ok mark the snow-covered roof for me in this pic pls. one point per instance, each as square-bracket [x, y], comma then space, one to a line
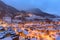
[58, 38]
[1, 27]
[7, 38]
[33, 39]
[18, 30]
[2, 34]
[25, 32]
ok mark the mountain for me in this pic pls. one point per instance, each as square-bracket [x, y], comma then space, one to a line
[39, 12]
[7, 10]
[36, 15]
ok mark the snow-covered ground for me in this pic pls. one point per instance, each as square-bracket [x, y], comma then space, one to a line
[7, 38]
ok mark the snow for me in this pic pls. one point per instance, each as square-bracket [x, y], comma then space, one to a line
[8, 38]
[7, 19]
[58, 38]
[25, 32]
[33, 38]
[2, 34]
[21, 38]
[1, 27]
[16, 20]
[19, 30]
[15, 37]
[33, 17]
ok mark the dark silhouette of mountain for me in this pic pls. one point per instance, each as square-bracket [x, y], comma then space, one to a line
[38, 12]
[6, 10]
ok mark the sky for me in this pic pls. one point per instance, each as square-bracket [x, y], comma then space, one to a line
[49, 6]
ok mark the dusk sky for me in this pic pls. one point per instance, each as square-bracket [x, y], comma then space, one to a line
[50, 6]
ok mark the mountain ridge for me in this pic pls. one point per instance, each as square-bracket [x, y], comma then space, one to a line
[6, 10]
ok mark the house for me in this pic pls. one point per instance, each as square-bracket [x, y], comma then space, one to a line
[7, 19]
[7, 34]
[16, 21]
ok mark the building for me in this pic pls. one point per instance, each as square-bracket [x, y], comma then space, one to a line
[7, 34]
[7, 19]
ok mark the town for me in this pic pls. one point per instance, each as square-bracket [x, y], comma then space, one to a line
[30, 30]
[29, 20]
